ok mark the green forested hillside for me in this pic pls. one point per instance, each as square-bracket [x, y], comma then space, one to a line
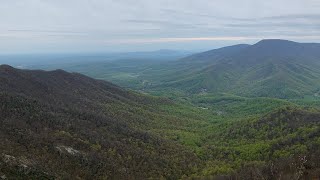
[61, 125]
[270, 68]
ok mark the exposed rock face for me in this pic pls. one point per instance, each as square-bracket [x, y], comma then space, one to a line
[70, 150]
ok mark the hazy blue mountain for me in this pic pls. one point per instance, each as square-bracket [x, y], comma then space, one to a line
[54, 61]
[215, 54]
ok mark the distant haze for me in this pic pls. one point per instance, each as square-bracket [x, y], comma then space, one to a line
[42, 26]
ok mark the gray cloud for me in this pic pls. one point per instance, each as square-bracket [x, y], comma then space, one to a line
[259, 25]
[172, 11]
[315, 17]
[166, 24]
[44, 31]
[128, 25]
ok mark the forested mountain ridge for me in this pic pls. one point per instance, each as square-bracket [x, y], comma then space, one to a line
[62, 125]
[269, 68]
[264, 50]
[58, 85]
[215, 54]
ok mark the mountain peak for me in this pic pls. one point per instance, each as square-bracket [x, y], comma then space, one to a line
[274, 48]
[275, 42]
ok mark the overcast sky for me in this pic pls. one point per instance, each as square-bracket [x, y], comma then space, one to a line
[143, 25]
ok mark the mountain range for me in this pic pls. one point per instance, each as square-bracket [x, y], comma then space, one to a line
[238, 112]
[269, 68]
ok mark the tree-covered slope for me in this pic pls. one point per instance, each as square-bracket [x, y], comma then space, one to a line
[266, 147]
[287, 140]
[61, 125]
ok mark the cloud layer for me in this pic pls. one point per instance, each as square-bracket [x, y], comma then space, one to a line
[129, 25]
